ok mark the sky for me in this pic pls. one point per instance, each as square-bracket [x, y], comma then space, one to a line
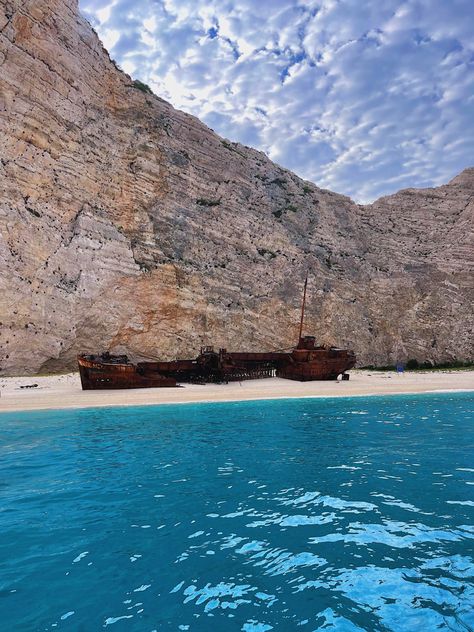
[363, 97]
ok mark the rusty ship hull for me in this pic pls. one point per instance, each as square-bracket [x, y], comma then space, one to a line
[305, 362]
[310, 363]
[105, 372]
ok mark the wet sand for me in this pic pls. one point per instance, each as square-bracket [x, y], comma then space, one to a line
[64, 391]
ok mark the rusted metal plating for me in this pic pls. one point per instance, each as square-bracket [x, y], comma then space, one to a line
[304, 362]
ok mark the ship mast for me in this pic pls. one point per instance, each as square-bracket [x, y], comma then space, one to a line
[303, 306]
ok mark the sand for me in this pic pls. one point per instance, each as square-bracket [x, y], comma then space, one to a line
[64, 391]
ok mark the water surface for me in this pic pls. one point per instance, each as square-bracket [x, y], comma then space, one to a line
[333, 514]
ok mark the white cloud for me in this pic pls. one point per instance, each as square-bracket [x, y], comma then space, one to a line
[362, 98]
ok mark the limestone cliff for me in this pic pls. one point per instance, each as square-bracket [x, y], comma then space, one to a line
[128, 225]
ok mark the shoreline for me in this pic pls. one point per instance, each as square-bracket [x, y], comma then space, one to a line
[64, 391]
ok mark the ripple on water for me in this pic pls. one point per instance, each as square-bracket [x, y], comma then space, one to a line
[312, 514]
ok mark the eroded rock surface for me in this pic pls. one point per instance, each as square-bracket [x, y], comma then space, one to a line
[128, 225]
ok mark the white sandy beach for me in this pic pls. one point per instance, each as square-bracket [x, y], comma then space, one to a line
[64, 391]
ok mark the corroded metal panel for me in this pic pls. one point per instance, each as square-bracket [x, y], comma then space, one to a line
[305, 362]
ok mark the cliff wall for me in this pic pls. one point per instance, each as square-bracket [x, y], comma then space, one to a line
[128, 225]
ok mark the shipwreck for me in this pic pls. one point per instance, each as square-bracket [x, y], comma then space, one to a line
[304, 362]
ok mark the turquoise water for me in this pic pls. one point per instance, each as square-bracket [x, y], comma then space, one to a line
[325, 514]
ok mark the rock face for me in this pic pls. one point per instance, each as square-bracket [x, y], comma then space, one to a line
[128, 225]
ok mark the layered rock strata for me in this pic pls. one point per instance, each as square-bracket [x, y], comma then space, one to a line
[130, 226]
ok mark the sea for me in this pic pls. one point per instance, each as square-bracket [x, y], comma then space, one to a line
[326, 514]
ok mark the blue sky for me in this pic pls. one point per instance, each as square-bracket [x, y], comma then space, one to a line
[363, 97]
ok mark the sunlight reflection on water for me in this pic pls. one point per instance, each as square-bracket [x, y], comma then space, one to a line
[245, 516]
